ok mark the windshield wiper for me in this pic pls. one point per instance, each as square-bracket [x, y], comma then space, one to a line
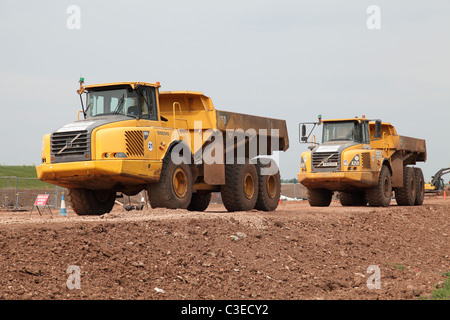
[88, 107]
[119, 106]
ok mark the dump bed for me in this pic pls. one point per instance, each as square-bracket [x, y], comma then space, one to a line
[183, 108]
[235, 121]
[414, 146]
[408, 150]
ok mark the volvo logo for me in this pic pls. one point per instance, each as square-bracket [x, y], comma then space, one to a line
[69, 143]
[325, 163]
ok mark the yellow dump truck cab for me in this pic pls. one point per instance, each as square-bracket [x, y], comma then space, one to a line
[364, 161]
[132, 137]
[119, 138]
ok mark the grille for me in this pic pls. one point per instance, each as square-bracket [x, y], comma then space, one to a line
[324, 160]
[134, 143]
[72, 143]
[365, 158]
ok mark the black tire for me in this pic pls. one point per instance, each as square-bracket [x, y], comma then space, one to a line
[199, 201]
[406, 195]
[319, 197]
[357, 198]
[174, 188]
[91, 202]
[420, 186]
[381, 195]
[269, 187]
[240, 191]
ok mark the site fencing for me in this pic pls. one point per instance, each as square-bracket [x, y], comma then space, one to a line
[294, 191]
[20, 193]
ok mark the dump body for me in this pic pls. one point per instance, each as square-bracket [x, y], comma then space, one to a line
[122, 145]
[192, 111]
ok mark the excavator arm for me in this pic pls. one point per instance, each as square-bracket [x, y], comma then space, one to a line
[436, 180]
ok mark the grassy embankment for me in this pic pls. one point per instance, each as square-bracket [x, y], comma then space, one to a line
[26, 178]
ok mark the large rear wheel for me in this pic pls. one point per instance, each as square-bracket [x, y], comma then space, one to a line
[420, 186]
[199, 201]
[240, 191]
[406, 195]
[269, 186]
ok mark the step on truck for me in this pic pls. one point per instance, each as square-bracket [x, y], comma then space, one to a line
[175, 145]
[364, 160]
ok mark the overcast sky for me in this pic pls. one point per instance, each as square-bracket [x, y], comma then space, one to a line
[283, 59]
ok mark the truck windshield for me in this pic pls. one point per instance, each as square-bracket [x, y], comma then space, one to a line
[122, 101]
[343, 130]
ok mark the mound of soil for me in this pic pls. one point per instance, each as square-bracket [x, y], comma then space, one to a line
[295, 252]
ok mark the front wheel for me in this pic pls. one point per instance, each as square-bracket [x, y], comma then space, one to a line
[381, 195]
[319, 197]
[356, 198]
[91, 202]
[174, 188]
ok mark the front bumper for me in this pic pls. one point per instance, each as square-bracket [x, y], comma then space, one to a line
[339, 181]
[100, 174]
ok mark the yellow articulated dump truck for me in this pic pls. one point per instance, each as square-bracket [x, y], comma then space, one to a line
[176, 145]
[364, 160]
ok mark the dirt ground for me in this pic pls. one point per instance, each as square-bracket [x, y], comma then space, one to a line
[295, 252]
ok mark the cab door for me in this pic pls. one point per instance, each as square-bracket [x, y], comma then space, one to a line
[148, 121]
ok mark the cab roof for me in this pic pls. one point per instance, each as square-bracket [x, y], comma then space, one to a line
[113, 84]
[371, 121]
[347, 119]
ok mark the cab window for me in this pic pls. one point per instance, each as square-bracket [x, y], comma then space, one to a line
[148, 104]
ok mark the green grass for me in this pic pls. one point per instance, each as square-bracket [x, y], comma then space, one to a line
[26, 178]
[398, 266]
[443, 293]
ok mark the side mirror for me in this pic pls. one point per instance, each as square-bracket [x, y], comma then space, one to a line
[304, 128]
[377, 133]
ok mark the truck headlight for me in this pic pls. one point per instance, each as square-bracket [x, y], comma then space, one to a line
[120, 155]
[355, 161]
